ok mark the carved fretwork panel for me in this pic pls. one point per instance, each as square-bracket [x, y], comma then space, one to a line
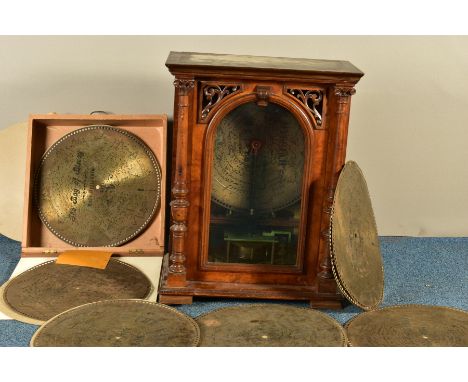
[313, 100]
[211, 95]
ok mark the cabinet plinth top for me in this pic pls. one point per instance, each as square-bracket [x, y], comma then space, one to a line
[202, 62]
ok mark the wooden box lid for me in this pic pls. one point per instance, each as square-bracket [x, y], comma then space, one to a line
[43, 131]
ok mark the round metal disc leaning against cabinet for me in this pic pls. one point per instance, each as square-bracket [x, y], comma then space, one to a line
[269, 325]
[355, 251]
[409, 325]
[98, 186]
[119, 323]
[41, 292]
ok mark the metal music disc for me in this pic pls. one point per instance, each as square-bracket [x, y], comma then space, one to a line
[409, 325]
[258, 159]
[48, 289]
[98, 186]
[119, 323]
[269, 325]
[355, 251]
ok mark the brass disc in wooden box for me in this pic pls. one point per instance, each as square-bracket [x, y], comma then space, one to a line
[98, 186]
[119, 323]
[48, 289]
[269, 325]
[355, 251]
[409, 325]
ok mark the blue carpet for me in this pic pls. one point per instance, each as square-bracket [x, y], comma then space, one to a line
[10, 251]
[417, 271]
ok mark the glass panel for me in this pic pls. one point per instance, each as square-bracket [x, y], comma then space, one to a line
[256, 184]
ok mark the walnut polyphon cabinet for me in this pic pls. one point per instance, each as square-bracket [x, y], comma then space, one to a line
[257, 149]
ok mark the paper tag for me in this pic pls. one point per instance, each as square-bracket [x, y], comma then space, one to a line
[91, 259]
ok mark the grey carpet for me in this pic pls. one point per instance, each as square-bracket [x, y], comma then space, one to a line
[417, 271]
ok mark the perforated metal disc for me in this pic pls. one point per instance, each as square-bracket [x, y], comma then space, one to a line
[48, 289]
[97, 186]
[119, 323]
[269, 325]
[258, 159]
[409, 325]
[355, 250]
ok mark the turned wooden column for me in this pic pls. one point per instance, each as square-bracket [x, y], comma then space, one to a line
[179, 205]
[337, 156]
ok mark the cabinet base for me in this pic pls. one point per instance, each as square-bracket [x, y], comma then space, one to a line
[185, 294]
[175, 300]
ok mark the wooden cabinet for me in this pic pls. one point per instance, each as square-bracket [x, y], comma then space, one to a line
[257, 149]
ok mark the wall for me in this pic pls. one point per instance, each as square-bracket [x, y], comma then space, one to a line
[409, 120]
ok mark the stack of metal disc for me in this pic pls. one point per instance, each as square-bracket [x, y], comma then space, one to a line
[41, 292]
[119, 323]
[269, 325]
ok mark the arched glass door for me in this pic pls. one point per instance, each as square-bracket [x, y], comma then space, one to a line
[256, 186]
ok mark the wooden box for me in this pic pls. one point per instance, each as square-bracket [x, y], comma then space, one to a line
[44, 130]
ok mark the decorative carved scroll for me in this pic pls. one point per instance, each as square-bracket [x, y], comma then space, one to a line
[213, 94]
[312, 99]
[343, 94]
[184, 86]
[263, 94]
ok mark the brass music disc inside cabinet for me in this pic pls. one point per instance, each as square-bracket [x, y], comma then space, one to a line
[257, 149]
